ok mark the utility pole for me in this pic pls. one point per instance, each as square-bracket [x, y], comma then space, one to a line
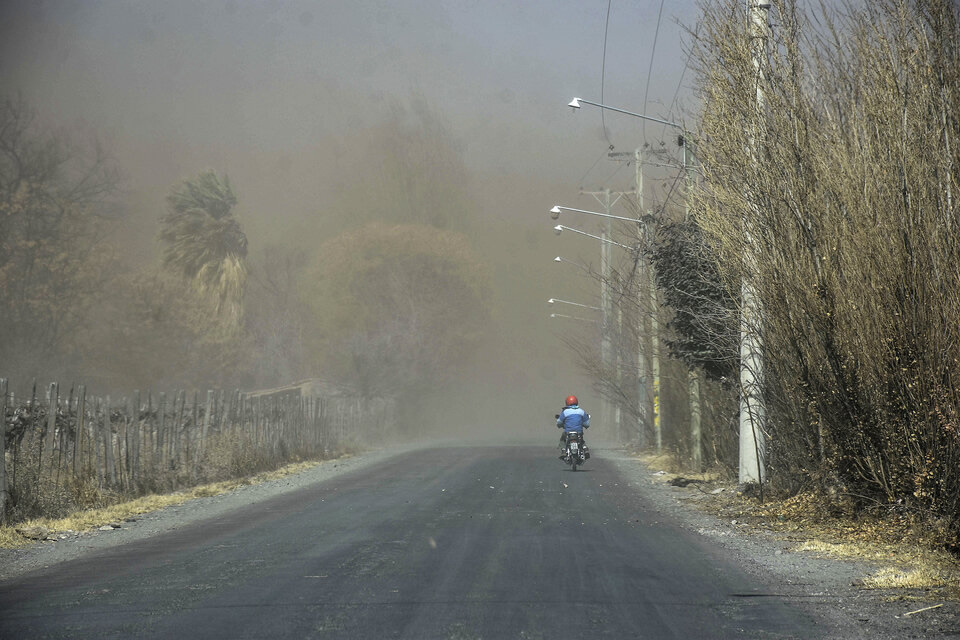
[646, 290]
[643, 408]
[752, 409]
[606, 198]
[605, 305]
[693, 376]
[655, 359]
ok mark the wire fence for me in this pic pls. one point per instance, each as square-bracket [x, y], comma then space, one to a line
[66, 448]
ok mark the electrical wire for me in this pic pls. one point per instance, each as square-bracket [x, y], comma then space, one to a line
[610, 178]
[595, 162]
[603, 72]
[676, 94]
[653, 51]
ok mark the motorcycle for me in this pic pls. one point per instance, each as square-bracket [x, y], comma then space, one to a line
[575, 452]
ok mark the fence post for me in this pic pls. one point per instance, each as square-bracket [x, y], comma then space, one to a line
[97, 439]
[108, 443]
[222, 404]
[257, 412]
[207, 415]
[50, 437]
[235, 419]
[150, 437]
[81, 424]
[63, 438]
[192, 437]
[135, 423]
[161, 426]
[177, 426]
[3, 450]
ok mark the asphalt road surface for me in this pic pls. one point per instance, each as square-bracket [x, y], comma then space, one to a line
[458, 543]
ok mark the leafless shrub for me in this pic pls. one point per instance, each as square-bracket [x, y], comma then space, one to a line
[836, 202]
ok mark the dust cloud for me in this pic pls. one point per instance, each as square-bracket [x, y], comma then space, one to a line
[330, 116]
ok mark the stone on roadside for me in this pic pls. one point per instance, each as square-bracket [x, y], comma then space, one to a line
[106, 527]
[37, 532]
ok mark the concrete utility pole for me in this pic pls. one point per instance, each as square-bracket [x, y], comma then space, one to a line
[655, 358]
[643, 402]
[605, 305]
[693, 376]
[606, 198]
[752, 409]
[648, 403]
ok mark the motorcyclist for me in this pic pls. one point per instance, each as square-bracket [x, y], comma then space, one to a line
[572, 419]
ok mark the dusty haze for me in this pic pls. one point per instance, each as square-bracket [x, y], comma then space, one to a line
[290, 99]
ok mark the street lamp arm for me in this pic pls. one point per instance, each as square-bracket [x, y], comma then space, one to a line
[574, 263]
[576, 304]
[561, 227]
[555, 213]
[560, 315]
[575, 103]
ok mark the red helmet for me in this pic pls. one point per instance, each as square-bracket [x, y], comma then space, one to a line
[572, 400]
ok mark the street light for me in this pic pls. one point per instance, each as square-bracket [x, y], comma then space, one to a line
[604, 283]
[575, 103]
[557, 209]
[752, 407]
[576, 264]
[687, 169]
[560, 315]
[576, 304]
[681, 140]
[559, 229]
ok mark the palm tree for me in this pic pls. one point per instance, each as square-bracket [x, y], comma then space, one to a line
[204, 242]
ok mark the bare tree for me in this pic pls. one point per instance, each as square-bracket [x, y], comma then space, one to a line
[396, 308]
[56, 202]
[849, 208]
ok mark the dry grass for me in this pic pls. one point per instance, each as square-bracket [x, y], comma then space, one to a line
[672, 468]
[901, 565]
[90, 519]
[908, 554]
[895, 578]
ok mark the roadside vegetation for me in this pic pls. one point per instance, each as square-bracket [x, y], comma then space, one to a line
[835, 200]
[84, 520]
[378, 309]
[907, 554]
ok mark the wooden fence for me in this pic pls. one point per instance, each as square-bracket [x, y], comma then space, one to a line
[68, 440]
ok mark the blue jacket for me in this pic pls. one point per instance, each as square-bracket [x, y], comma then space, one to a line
[574, 419]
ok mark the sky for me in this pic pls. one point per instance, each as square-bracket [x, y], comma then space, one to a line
[169, 84]
[272, 93]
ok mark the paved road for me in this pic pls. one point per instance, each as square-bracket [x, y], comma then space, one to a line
[458, 543]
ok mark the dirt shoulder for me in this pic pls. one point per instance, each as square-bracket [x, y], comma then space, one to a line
[67, 545]
[800, 566]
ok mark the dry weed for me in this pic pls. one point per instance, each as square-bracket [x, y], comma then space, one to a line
[90, 519]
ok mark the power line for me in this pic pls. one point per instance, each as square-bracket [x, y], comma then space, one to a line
[610, 178]
[602, 154]
[676, 94]
[603, 72]
[653, 51]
